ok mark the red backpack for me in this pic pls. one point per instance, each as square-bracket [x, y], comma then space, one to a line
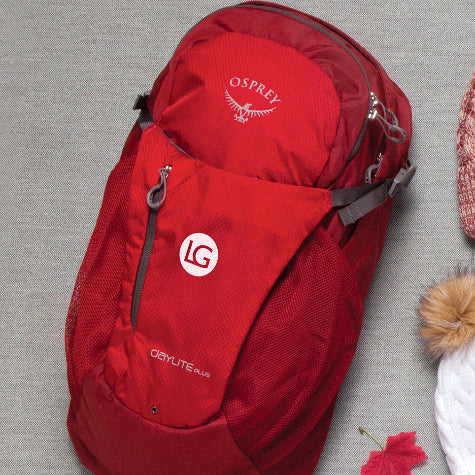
[219, 303]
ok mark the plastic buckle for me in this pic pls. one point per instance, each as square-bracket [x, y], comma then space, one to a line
[141, 102]
[370, 173]
[402, 179]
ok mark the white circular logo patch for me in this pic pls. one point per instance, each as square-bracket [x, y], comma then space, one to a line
[198, 254]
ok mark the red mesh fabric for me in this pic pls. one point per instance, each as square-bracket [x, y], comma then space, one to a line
[93, 307]
[366, 244]
[281, 395]
[131, 445]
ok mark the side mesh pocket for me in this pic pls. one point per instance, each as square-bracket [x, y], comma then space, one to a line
[282, 393]
[93, 308]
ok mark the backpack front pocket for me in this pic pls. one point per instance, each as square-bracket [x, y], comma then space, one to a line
[199, 267]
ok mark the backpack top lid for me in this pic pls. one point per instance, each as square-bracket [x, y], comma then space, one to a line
[253, 107]
[265, 95]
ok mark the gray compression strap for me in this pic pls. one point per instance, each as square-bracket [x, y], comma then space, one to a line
[346, 196]
[145, 116]
[364, 205]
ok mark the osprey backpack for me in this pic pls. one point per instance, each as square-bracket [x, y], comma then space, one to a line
[219, 303]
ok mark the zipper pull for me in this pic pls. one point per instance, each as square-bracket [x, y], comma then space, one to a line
[157, 194]
[373, 112]
[387, 120]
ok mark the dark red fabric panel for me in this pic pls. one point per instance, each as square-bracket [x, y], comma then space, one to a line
[111, 439]
[366, 244]
[284, 385]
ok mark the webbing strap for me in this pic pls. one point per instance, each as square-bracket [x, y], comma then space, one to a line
[365, 202]
[346, 196]
[145, 116]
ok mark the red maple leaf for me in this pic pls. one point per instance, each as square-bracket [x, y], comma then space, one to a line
[399, 456]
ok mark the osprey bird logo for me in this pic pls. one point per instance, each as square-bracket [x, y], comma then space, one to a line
[245, 113]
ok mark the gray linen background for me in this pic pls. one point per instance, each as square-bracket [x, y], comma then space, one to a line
[69, 73]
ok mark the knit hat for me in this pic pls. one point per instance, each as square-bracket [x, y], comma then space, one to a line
[448, 314]
[466, 160]
[455, 409]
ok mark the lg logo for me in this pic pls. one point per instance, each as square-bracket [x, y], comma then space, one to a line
[198, 254]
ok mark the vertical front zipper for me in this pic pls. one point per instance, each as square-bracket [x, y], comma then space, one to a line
[155, 198]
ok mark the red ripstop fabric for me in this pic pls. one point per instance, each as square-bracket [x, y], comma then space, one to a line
[219, 303]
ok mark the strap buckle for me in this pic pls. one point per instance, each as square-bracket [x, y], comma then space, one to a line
[141, 102]
[402, 179]
[145, 116]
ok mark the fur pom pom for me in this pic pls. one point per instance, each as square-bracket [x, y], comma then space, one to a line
[448, 313]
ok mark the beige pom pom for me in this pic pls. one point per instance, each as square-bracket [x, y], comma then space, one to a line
[448, 314]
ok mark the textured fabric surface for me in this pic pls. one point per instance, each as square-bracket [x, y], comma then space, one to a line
[69, 73]
[204, 320]
[455, 409]
[466, 160]
[282, 417]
